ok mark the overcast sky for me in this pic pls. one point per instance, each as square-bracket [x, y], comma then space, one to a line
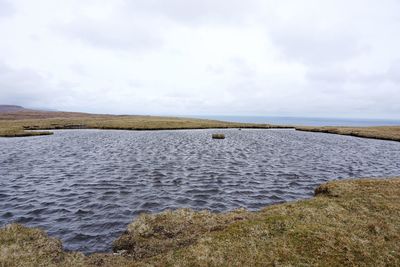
[335, 58]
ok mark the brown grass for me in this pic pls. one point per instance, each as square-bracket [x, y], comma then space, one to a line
[379, 132]
[348, 223]
[155, 234]
[21, 246]
[218, 136]
[19, 123]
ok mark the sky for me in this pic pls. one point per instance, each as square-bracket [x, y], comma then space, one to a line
[331, 58]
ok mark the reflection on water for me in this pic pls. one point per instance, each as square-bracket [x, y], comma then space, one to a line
[85, 186]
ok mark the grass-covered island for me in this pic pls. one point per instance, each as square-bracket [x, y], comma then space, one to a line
[347, 223]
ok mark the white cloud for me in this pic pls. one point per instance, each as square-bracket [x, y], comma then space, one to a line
[195, 12]
[287, 57]
[6, 8]
[24, 86]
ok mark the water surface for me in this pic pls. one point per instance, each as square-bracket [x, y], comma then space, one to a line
[85, 186]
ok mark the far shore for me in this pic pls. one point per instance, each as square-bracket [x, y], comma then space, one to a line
[389, 133]
[25, 123]
[34, 123]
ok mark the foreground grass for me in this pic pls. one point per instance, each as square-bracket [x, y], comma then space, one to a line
[21, 123]
[379, 132]
[350, 223]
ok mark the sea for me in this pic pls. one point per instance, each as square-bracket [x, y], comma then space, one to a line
[303, 121]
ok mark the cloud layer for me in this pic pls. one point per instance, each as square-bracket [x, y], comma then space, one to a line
[256, 57]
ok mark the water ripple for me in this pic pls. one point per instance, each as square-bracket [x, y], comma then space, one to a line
[85, 186]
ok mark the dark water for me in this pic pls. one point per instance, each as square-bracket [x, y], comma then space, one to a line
[85, 186]
[307, 121]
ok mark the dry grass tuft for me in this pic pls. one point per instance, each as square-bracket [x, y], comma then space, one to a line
[21, 246]
[218, 136]
[154, 234]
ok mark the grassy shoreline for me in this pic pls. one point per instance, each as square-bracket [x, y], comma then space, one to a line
[349, 222]
[21, 124]
[389, 133]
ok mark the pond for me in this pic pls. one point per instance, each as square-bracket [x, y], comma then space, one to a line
[85, 186]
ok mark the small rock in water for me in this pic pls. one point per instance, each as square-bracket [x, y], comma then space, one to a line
[218, 136]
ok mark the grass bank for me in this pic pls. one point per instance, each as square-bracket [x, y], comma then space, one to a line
[391, 133]
[17, 124]
[21, 123]
[349, 223]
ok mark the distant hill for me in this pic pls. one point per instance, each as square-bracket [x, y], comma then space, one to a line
[10, 108]
[14, 112]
